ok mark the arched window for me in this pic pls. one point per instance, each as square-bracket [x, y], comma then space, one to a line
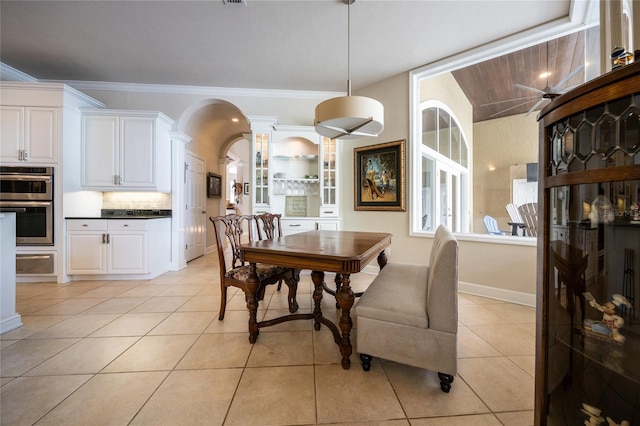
[444, 152]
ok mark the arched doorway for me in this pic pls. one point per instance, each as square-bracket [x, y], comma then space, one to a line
[213, 125]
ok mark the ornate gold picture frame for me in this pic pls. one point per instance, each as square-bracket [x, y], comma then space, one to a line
[380, 176]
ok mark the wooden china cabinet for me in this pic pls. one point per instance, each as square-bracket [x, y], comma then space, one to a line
[588, 326]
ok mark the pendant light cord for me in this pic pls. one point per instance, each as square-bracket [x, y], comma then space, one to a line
[349, 46]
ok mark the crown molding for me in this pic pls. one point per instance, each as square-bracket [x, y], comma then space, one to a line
[8, 73]
[71, 94]
[196, 90]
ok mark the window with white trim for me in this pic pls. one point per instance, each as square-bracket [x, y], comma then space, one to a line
[443, 170]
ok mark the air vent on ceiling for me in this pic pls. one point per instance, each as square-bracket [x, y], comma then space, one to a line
[235, 2]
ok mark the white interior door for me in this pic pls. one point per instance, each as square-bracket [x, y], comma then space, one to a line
[524, 192]
[195, 204]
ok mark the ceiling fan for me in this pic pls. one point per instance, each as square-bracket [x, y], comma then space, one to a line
[548, 93]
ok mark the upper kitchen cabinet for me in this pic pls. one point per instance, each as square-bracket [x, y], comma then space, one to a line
[126, 150]
[28, 134]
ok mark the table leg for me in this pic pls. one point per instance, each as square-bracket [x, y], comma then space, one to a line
[338, 281]
[318, 280]
[251, 298]
[345, 297]
[382, 259]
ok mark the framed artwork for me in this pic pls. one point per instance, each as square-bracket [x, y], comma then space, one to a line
[214, 185]
[246, 188]
[380, 176]
[295, 206]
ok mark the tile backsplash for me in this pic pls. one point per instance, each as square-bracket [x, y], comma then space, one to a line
[136, 200]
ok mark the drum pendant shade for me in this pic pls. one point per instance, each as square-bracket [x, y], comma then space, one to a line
[349, 117]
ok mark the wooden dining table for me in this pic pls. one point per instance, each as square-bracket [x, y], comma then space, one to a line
[341, 252]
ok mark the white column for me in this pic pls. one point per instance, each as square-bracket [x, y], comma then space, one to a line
[178, 203]
[9, 318]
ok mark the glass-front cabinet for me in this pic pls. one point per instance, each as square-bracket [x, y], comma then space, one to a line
[296, 175]
[329, 178]
[588, 328]
[261, 140]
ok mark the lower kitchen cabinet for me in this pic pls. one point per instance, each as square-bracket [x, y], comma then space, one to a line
[137, 247]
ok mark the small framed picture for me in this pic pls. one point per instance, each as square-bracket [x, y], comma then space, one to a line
[246, 188]
[214, 185]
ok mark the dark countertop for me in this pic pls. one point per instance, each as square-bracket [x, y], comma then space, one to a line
[127, 214]
[118, 217]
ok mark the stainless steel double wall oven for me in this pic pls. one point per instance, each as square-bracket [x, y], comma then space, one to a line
[30, 188]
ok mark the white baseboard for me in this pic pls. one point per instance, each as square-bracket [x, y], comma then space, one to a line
[10, 323]
[520, 298]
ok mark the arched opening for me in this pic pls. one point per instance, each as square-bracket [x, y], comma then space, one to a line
[219, 132]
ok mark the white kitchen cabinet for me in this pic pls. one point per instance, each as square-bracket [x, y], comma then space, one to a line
[138, 247]
[127, 249]
[328, 224]
[126, 150]
[86, 247]
[297, 225]
[28, 134]
[296, 172]
[303, 224]
[329, 178]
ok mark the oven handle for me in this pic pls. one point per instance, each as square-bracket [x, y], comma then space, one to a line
[25, 203]
[46, 179]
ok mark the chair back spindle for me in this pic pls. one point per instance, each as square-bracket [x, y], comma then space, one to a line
[269, 226]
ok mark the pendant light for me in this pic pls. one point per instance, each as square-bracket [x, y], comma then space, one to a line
[349, 117]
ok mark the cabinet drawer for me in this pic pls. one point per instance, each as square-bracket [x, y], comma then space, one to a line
[327, 211]
[297, 225]
[87, 225]
[128, 225]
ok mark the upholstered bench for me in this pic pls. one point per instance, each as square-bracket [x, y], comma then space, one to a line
[409, 313]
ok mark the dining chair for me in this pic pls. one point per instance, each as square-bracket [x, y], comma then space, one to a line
[231, 232]
[269, 227]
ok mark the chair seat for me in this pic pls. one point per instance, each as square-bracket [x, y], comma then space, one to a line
[406, 304]
[264, 272]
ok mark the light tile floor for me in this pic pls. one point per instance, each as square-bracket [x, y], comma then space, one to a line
[154, 353]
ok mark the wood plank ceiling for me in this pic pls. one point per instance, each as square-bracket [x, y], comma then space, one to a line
[489, 85]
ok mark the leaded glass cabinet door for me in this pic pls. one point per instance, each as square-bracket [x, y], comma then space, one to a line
[588, 352]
